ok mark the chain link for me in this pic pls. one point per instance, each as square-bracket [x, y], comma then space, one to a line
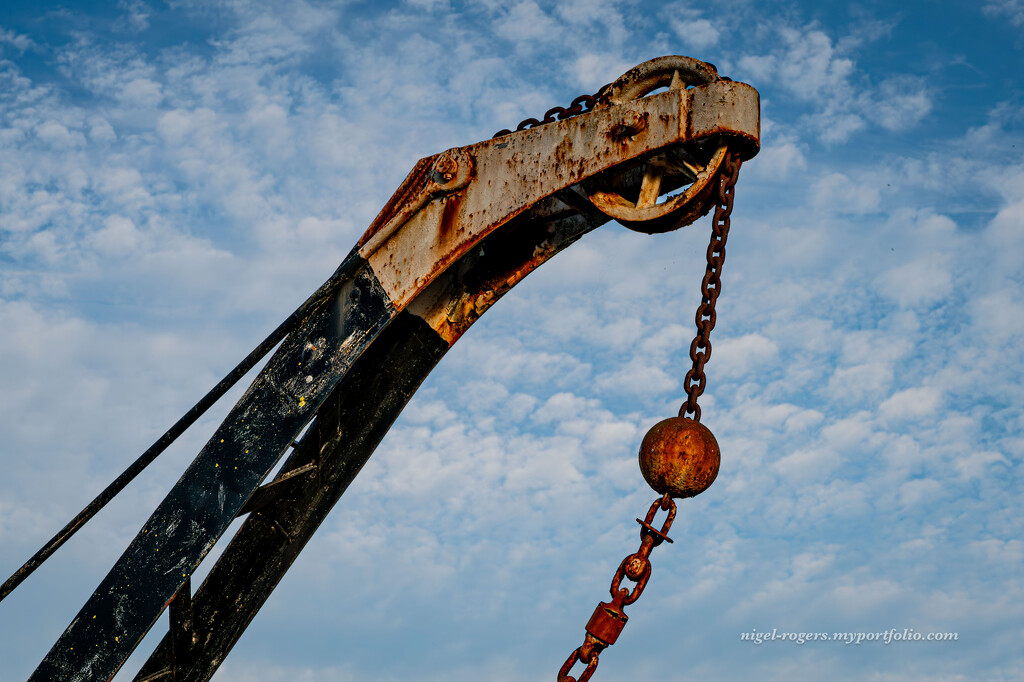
[609, 619]
[700, 348]
[580, 105]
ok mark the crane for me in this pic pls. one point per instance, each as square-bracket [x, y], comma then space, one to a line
[464, 227]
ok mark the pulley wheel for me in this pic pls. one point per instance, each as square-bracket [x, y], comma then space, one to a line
[687, 169]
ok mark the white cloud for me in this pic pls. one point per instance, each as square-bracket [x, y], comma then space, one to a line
[119, 237]
[838, 192]
[18, 41]
[1000, 315]
[605, 13]
[925, 280]
[637, 378]
[823, 73]
[848, 434]
[54, 134]
[810, 67]
[141, 92]
[526, 24]
[917, 491]
[911, 403]
[100, 131]
[430, 5]
[900, 103]
[691, 27]
[1009, 551]
[136, 15]
[740, 355]
[1012, 10]
[778, 160]
[979, 464]
[802, 465]
[859, 597]
[860, 384]
[1005, 234]
[592, 68]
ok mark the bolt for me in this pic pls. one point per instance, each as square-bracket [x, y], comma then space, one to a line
[636, 566]
[446, 167]
[630, 125]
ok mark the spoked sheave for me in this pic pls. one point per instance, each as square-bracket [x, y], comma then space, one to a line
[671, 188]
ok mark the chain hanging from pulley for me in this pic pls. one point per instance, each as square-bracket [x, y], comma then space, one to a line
[679, 457]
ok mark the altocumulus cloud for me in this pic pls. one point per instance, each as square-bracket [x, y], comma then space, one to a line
[175, 178]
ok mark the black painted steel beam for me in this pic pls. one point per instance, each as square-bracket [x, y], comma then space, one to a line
[348, 428]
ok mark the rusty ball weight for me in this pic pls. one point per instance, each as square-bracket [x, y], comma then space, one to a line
[679, 456]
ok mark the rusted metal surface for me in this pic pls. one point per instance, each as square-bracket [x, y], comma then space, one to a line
[679, 457]
[432, 177]
[695, 165]
[553, 224]
[420, 235]
[656, 73]
[727, 108]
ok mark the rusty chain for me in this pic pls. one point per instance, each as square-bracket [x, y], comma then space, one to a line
[580, 105]
[711, 286]
[609, 619]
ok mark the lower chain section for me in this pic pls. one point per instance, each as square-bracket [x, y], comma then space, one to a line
[609, 619]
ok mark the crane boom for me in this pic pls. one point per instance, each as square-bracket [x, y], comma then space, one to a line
[464, 227]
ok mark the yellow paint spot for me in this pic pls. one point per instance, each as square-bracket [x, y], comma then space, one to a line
[302, 401]
[116, 639]
[221, 440]
[216, 465]
[158, 549]
[94, 617]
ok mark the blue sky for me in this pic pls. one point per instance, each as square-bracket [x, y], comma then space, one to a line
[176, 177]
